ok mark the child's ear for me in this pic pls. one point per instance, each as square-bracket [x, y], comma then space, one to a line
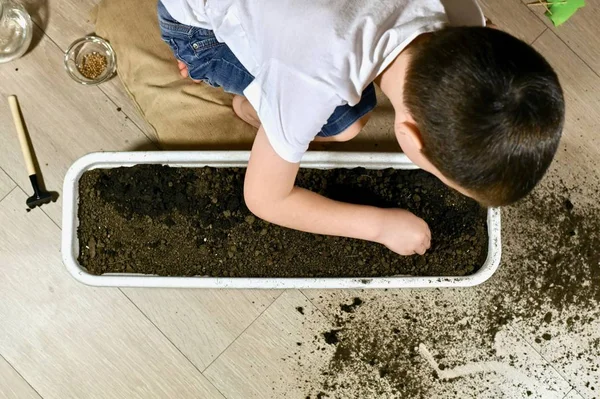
[409, 132]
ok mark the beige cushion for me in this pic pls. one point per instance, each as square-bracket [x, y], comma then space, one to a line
[184, 114]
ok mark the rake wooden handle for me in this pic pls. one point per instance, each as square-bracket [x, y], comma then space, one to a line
[16, 114]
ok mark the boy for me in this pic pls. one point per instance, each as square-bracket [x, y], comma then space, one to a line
[474, 106]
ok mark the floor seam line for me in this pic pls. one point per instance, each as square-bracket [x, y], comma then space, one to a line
[20, 375]
[41, 209]
[327, 316]
[168, 339]
[567, 394]
[241, 333]
[551, 364]
[127, 116]
[8, 193]
[538, 36]
[565, 43]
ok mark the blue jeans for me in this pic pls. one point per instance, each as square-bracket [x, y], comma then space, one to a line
[214, 63]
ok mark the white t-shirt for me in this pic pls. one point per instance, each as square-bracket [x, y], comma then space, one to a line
[310, 56]
[188, 12]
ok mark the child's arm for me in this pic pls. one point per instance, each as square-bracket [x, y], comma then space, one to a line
[270, 193]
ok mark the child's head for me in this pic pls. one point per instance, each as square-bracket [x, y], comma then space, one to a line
[486, 112]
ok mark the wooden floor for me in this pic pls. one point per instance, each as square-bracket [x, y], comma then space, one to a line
[60, 339]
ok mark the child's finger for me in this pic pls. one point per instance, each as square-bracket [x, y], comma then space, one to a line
[182, 69]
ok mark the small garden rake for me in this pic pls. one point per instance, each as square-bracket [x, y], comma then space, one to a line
[40, 197]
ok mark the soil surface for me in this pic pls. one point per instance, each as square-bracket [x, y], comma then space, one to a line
[155, 219]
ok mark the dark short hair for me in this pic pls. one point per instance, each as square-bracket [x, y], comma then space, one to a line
[489, 108]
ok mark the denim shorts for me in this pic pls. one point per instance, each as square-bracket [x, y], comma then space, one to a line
[214, 63]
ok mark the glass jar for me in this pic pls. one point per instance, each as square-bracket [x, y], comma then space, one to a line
[80, 49]
[16, 30]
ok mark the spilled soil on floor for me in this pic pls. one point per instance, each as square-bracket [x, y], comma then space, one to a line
[421, 344]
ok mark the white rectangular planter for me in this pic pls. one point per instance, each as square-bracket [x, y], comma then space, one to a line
[322, 160]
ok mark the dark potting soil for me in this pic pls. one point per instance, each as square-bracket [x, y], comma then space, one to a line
[155, 219]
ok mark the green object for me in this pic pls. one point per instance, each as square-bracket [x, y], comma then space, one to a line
[563, 10]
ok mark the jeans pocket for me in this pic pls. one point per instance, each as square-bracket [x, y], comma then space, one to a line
[199, 63]
[195, 49]
[202, 40]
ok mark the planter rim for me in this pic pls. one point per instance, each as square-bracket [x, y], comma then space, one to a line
[312, 159]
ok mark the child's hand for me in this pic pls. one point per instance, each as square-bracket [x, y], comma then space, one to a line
[404, 233]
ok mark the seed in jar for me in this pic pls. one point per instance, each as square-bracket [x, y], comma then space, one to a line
[92, 65]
